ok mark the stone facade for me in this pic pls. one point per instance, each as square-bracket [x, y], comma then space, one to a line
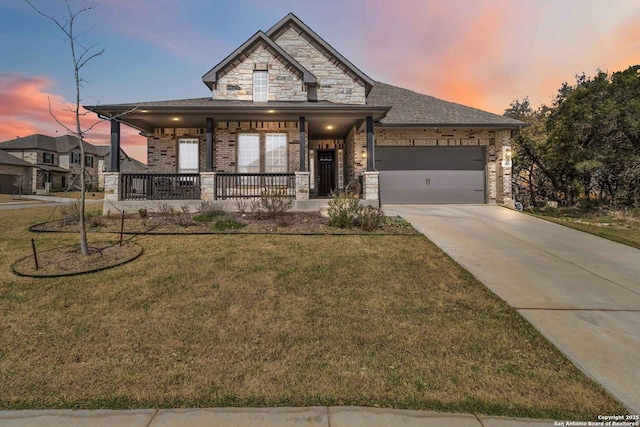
[355, 155]
[283, 84]
[334, 84]
[370, 185]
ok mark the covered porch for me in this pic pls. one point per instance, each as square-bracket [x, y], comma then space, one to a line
[204, 151]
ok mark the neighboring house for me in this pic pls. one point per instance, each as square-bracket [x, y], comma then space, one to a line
[287, 111]
[57, 161]
[15, 174]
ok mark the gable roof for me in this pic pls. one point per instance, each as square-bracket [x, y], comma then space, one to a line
[31, 142]
[412, 109]
[127, 164]
[8, 159]
[246, 49]
[318, 42]
[66, 143]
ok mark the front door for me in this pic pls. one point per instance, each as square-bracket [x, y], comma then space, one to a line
[326, 172]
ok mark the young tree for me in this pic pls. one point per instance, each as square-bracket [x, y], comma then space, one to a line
[80, 56]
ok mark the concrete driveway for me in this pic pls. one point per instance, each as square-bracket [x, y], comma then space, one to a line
[580, 291]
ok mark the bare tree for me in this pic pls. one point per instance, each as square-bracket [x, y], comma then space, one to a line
[81, 55]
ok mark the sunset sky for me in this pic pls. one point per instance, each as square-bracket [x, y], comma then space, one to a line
[481, 53]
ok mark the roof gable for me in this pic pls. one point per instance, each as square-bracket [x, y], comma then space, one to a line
[411, 108]
[241, 53]
[318, 42]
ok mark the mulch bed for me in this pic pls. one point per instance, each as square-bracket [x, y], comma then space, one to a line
[181, 223]
[69, 261]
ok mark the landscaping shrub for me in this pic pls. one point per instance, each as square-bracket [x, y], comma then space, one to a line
[208, 211]
[182, 218]
[343, 210]
[226, 222]
[272, 203]
[369, 218]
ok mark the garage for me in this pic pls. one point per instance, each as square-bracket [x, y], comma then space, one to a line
[431, 175]
[8, 183]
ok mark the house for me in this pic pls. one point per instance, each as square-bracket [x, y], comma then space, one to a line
[56, 161]
[287, 111]
[15, 174]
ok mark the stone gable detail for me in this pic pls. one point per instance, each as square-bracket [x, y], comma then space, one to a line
[237, 84]
[334, 84]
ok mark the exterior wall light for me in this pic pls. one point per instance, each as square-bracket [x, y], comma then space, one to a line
[506, 157]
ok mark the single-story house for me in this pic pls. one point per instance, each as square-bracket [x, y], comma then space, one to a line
[15, 174]
[287, 111]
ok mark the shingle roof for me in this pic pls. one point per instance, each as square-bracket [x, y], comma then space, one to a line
[67, 143]
[413, 108]
[8, 159]
[210, 102]
[31, 142]
[127, 164]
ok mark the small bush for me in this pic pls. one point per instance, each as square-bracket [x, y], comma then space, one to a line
[226, 222]
[71, 212]
[163, 208]
[242, 205]
[369, 218]
[182, 218]
[396, 222]
[272, 203]
[343, 210]
[208, 211]
[143, 213]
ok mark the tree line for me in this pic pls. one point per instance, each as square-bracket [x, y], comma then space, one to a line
[585, 147]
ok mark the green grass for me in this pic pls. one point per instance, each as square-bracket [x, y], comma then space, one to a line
[612, 225]
[254, 320]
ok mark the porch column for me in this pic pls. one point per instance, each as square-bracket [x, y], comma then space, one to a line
[115, 146]
[303, 149]
[370, 152]
[210, 150]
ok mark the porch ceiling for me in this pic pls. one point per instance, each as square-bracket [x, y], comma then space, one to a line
[325, 120]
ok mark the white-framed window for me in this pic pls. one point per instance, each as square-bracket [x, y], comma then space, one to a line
[75, 158]
[188, 155]
[248, 153]
[275, 153]
[260, 86]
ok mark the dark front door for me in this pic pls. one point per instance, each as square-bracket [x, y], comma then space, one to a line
[326, 172]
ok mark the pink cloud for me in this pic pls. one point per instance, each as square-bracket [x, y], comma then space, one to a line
[25, 111]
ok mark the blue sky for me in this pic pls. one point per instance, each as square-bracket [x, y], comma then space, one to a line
[482, 53]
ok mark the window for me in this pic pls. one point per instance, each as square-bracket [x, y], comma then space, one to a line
[275, 153]
[248, 153]
[188, 156]
[266, 154]
[260, 86]
[48, 158]
[88, 161]
[75, 158]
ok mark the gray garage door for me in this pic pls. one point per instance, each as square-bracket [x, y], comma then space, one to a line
[421, 175]
[8, 184]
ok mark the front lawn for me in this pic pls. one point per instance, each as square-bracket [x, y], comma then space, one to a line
[621, 227]
[269, 320]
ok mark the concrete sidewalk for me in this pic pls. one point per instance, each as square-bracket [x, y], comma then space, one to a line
[319, 416]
